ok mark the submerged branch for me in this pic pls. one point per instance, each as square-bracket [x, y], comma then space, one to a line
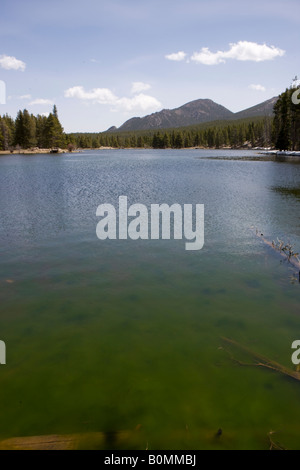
[261, 361]
[273, 444]
[284, 249]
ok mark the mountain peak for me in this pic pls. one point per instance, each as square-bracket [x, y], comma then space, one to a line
[193, 112]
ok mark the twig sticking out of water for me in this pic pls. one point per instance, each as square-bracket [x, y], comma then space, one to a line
[285, 248]
[274, 445]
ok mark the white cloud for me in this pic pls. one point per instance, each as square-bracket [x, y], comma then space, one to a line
[257, 87]
[140, 102]
[11, 63]
[177, 56]
[245, 50]
[97, 95]
[20, 97]
[41, 101]
[242, 51]
[138, 87]
[208, 58]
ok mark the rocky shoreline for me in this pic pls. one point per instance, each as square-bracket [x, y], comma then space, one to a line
[32, 151]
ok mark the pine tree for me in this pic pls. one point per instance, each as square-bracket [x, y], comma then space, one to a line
[41, 122]
[54, 112]
[166, 141]
[5, 135]
[54, 133]
[179, 140]
[140, 142]
[282, 122]
[25, 130]
[19, 129]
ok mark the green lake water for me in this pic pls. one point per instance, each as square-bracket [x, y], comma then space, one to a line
[122, 335]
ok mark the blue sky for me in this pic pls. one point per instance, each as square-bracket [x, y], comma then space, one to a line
[103, 62]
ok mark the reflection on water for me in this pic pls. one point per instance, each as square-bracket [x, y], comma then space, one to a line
[293, 192]
[123, 335]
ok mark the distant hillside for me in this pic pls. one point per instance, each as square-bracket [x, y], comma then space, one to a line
[194, 112]
[262, 109]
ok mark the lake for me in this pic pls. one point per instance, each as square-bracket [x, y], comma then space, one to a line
[125, 337]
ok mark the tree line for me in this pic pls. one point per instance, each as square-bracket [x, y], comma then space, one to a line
[245, 133]
[286, 123]
[282, 132]
[29, 131]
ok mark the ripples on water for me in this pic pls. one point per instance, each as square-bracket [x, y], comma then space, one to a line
[107, 336]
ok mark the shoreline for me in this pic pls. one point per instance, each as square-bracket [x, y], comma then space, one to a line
[36, 151]
[33, 151]
[49, 151]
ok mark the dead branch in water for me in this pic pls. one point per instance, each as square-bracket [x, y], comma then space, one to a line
[287, 250]
[260, 361]
[284, 249]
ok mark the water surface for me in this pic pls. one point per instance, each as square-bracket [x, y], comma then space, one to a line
[127, 335]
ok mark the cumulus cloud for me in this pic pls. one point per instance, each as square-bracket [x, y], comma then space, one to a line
[139, 102]
[245, 50]
[138, 87]
[11, 63]
[242, 51]
[41, 101]
[20, 97]
[97, 95]
[206, 57]
[257, 87]
[176, 56]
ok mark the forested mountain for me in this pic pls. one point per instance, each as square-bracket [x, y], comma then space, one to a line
[195, 112]
[263, 109]
[247, 133]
